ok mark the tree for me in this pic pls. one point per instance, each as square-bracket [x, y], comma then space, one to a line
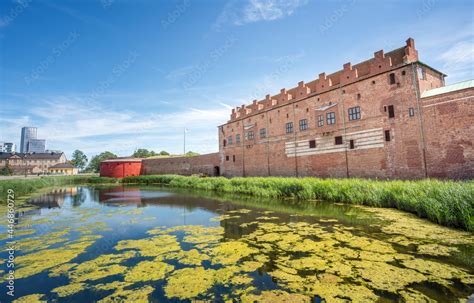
[164, 153]
[6, 171]
[191, 154]
[143, 153]
[94, 164]
[79, 159]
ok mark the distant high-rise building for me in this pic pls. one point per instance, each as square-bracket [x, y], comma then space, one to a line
[7, 147]
[36, 146]
[27, 134]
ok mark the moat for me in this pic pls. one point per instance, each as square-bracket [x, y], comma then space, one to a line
[152, 244]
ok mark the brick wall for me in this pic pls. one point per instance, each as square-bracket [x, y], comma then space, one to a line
[204, 164]
[449, 134]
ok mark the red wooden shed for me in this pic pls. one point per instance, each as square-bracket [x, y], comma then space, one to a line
[121, 167]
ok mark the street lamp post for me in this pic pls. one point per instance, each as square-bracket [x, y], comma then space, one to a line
[184, 141]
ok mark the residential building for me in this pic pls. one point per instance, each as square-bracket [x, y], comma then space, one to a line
[25, 163]
[63, 169]
[7, 147]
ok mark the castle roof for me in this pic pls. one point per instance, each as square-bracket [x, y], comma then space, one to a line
[448, 88]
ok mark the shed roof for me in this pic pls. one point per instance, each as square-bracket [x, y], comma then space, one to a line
[123, 159]
[448, 88]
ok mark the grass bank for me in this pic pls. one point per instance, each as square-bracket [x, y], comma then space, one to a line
[23, 187]
[448, 203]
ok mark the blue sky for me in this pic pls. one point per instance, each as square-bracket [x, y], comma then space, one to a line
[118, 75]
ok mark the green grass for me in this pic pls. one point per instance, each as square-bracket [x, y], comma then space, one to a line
[448, 203]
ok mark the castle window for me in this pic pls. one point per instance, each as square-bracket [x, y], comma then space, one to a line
[224, 142]
[351, 144]
[421, 73]
[250, 135]
[237, 138]
[289, 127]
[312, 143]
[287, 115]
[411, 112]
[331, 118]
[392, 78]
[227, 158]
[403, 73]
[358, 96]
[387, 135]
[263, 133]
[307, 110]
[320, 120]
[354, 113]
[338, 140]
[373, 82]
[233, 158]
[391, 111]
[229, 140]
[303, 124]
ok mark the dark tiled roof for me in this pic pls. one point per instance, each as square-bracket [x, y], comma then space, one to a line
[33, 156]
[62, 165]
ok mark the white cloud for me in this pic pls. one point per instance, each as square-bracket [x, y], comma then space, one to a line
[256, 10]
[268, 10]
[458, 60]
[68, 124]
[180, 73]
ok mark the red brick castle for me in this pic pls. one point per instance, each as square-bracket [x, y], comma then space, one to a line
[389, 117]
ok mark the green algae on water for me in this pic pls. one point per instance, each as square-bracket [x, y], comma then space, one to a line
[34, 298]
[70, 289]
[148, 271]
[188, 283]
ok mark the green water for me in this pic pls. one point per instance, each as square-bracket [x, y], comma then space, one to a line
[149, 244]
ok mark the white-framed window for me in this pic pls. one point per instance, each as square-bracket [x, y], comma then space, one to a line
[320, 120]
[331, 118]
[303, 124]
[354, 113]
[249, 135]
